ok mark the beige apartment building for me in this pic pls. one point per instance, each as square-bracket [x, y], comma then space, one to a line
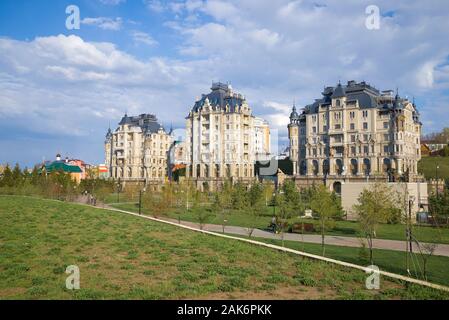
[137, 150]
[355, 131]
[223, 137]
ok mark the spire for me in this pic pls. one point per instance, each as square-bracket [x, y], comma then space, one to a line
[294, 115]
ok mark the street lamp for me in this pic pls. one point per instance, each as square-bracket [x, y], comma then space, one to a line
[119, 187]
[436, 176]
[409, 237]
[140, 196]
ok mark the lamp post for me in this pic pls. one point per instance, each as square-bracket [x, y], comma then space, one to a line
[409, 237]
[436, 177]
[119, 187]
[140, 196]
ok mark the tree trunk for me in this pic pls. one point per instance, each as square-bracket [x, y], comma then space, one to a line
[370, 244]
[322, 237]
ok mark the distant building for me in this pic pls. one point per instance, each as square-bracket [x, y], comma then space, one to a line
[355, 131]
[64, 166]
[137, 150]
[425, 150]
[262, 139]
[85, 168]
[103, 172]
[223, 137]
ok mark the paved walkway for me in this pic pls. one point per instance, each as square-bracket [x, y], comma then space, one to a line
[395, 245]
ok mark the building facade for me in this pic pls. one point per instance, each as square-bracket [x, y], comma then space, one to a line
[137, 150]
[262, 139]
[355, 131]
[223, 137]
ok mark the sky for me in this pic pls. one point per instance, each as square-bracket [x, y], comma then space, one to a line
[61, 89]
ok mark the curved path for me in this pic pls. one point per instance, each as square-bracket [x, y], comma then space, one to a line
[395, 245]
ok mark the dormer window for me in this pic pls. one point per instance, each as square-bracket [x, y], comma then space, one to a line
[337, 102]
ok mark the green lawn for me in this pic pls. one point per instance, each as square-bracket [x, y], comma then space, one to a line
[126, 257]
[341, 228]
[427, 167]
[387, 260]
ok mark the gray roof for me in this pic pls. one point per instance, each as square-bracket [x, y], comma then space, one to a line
[339, 92]
[221, 95]
[147, 122]
[363, 93]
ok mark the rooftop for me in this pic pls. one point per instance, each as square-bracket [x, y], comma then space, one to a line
[366, 95]
[147, 122]
[221, 95]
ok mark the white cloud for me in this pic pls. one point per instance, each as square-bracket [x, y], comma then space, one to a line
[142, 37]
[104, 23]
[271, 51]
[154, 5]
[112, 2]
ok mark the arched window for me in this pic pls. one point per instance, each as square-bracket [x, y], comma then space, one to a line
[339, 166]
[354, 167]
[315, 167]
[366, 167]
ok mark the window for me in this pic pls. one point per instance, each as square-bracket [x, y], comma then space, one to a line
[365, 114]
[314, 129]
[352, 126]
[365, 149]
[386, 149]
[324, 128]
[385, 125]
[352, 114]
[365, 126]
[353, 138]
[386, 137]
[338, 103]
[365, 137]
[337, 127]
[353, 150]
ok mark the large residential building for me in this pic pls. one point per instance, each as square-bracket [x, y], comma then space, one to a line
[355, 130]
[223, 137]
[137, 150]
[353, 135]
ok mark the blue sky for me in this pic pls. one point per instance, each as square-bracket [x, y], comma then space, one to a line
[60, 89]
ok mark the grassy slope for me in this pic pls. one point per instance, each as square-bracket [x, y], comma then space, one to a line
[342, 228]
[427, 167]
[124, 257]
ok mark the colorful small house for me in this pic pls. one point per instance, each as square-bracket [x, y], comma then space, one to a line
[63, 166]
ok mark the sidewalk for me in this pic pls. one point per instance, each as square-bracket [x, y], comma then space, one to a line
[395, 245]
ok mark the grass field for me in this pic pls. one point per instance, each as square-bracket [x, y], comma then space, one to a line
[341, 228]
[387, 260]
[427, 167]
[126, 257]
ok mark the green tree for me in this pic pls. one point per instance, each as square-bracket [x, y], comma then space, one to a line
[223, 202]
[375, 206]
[256, 205]
[268, 190]
[7, 178]
[323, 204]
[154, 203]
[17, 176]
[284, 213]
[201, 213]
[239, 193]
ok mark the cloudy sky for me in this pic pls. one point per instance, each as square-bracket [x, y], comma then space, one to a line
[60, 89]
